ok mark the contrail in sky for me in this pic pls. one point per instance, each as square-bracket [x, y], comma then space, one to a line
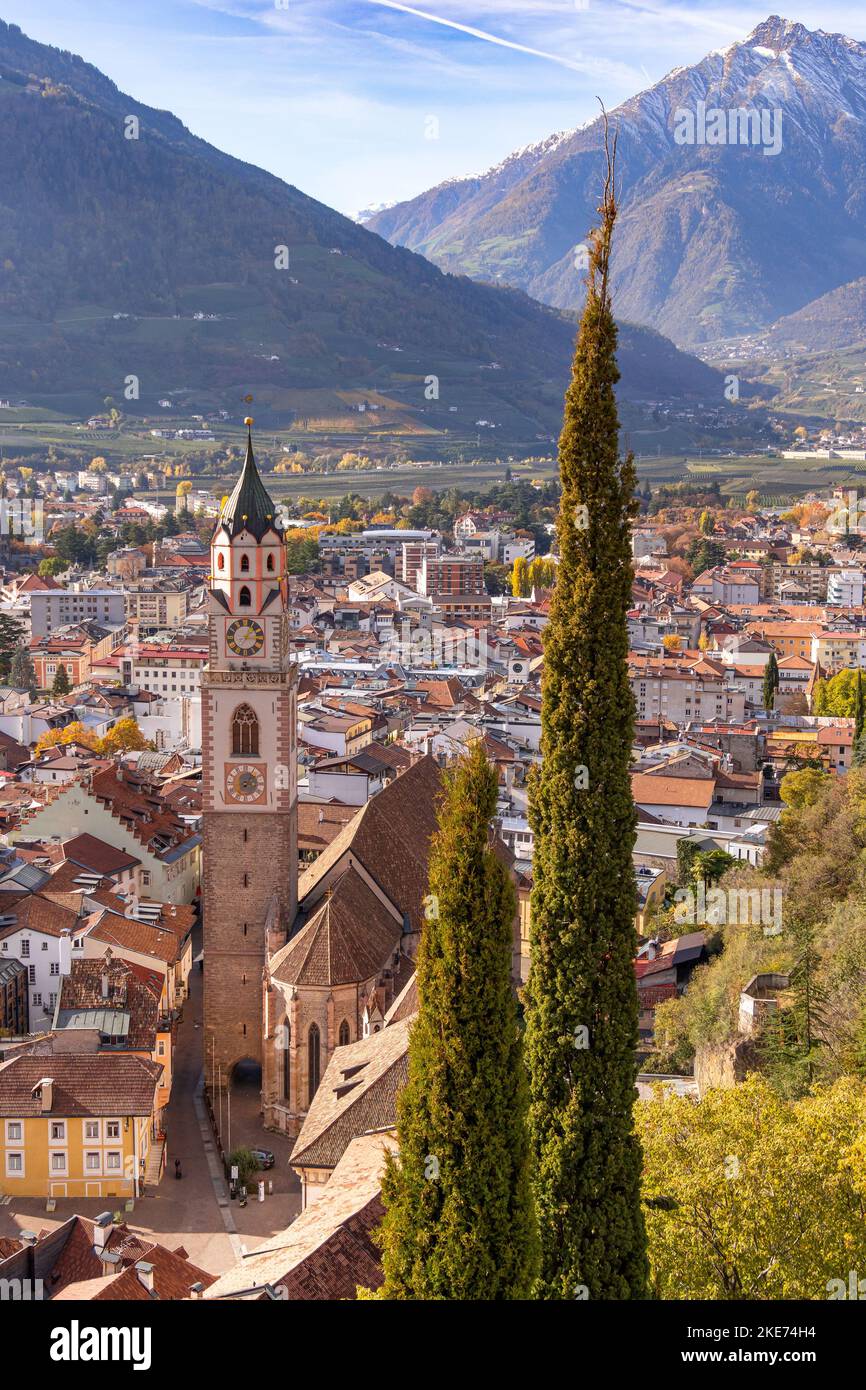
[482, 34]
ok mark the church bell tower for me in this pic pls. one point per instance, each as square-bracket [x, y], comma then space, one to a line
[249, 768]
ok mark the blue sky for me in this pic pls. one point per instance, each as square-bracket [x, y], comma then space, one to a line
[336, 96]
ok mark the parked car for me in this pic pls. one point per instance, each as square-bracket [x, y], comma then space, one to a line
[264, 1158]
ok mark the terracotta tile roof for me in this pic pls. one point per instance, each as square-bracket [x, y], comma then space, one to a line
[127, 934]
[39, 582]
[319, 824]
[350, 937]
[98, 1083]
[127, 993]
[391, 838]
[391, 755]
[328, 1250]
[173, 1276]
[63, 880]
[672, 791]
[71, 1269]
[795, 663]
[836, 736]
[744, 780]
[443, 694]
[405, 1005]
[357, 1093]
[139, 805]
[90, 852]
[39, 913]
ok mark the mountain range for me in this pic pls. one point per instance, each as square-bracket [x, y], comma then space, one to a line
[130, 249]
[714, 240]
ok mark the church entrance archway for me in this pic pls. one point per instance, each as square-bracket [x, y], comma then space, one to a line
[243, 1117]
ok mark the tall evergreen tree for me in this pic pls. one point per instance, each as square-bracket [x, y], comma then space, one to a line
[459, 1221]
[22, 672]
[771, 682]
[859, 706]
[61, 684]
[11, 632]
[794, 1038]
[582, 1001]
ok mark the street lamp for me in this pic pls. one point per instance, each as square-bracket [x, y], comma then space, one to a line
[220, 1069]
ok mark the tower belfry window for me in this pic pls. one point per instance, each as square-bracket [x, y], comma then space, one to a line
[245, 733]
[270, 564]
[245, 564]
[244, 599]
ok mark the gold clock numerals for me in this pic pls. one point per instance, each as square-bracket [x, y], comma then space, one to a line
[245, 783]
[245, 637]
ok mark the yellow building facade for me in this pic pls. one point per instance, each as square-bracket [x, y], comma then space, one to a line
[76, 1125]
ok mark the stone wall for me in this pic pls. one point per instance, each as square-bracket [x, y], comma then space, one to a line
[724, 1066]
[241, 876]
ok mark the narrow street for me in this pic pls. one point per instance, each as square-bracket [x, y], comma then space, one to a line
[194, 1212]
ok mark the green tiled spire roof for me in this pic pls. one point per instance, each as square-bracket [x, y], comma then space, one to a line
[249, 507]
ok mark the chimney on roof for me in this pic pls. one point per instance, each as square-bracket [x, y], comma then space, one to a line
[102, 1228]
[104, 982]
[196, 1290]
[44, 1093]
[29, 1237]
[145, 1274]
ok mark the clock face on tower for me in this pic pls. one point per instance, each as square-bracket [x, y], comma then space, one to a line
[245, 637]
[245, 782]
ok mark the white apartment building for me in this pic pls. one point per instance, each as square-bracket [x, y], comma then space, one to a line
[44, 942]
[54, 608]
[169, 671]
[845, 588]
[681, 695]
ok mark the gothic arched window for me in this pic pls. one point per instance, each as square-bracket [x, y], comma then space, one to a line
[245, 733]
[221, 561]
[244, 599]
[314, 1061]
[344, 1033]
[245, 564]
[287, 1062]
[270, 564]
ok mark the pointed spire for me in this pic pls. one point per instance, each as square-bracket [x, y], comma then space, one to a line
[249, 507]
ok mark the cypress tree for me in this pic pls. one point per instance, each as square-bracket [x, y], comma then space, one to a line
[793, 1040]
[10, 640]
[582, 1011]
[61, 685]
[22, 672]
[771, 682]
[459, 1221]
[859, 706]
